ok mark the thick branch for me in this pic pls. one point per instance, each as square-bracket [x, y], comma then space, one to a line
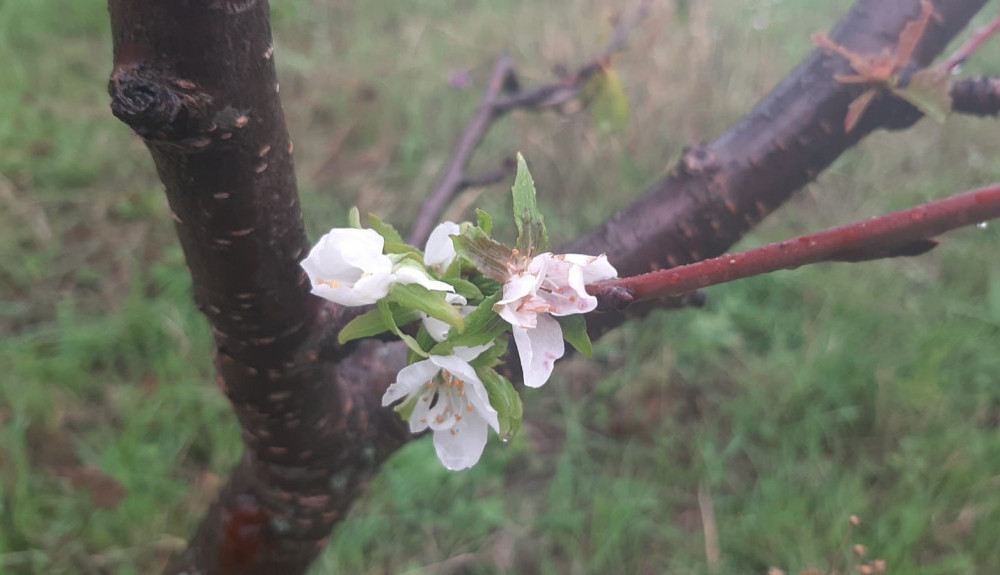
[196, 80]
[720, 190]
[906, 232]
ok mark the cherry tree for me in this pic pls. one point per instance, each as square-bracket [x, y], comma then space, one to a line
[310, 386]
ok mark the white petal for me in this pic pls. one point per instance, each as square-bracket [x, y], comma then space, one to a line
[347, 267]
[571, 297]
[440, 251]
[468, 354]
[409, 380]
[457, 366]
[461, 446]
[421, 412]
[538, 349]
[408, 274]
[475, 393]
[595, 269]
[436, 328]
[518, 306]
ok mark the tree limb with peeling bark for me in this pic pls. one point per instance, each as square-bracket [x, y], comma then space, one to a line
[197, 82]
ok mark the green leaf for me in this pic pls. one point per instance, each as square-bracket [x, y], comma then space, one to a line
[490, 257]
[413, 296]
[385, 230]
[485, 221]
[372, 323]
[383, 308]
[505, 399]
[492, 356]
[354, 218]
[605, 95]
[531, 236]
[929, 91]
[574, 328]
[466, 289]
[482, 326]
[398, 248]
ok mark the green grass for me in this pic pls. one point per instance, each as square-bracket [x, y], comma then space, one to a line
[790, 401]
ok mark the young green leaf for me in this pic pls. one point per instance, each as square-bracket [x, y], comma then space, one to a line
[485, 221]
[482, 326]
[385, 230]
[605, 95]
[489, 257]
[372, 323]
[504, 399]
[574, 328]
[354, 218]
[465, 288]
[493, 356]
[383, 308]
[531, 236]
[433, 303]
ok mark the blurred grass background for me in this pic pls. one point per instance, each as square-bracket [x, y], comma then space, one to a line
[785, 405]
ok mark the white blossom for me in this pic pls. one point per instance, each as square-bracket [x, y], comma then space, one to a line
[347, 267]
[549, 285]
[450, 400]
[440, 251]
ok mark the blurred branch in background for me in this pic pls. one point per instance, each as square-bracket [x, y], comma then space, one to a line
[504, 94]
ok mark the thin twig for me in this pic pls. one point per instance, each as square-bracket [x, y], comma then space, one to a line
[494, 106]
[454, 175]
[900, 233]
[979, 37]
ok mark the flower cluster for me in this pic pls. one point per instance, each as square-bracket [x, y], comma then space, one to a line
[538, 291]
[457, 290]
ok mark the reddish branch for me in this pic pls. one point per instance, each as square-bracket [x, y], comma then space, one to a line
[503, 95]
[978, 39]
[719, 190]
[196, 80]
[906, 232]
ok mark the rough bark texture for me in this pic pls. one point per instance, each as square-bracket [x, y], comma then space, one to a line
[196, 80]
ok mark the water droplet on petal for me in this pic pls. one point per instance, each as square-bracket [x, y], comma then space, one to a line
[983, 225]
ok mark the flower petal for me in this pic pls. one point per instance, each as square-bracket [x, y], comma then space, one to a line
[347, 266]
[461, 446]
[538, 349]
[409, 380]
[468, 354]
[408, 274]
[595, 268]
[440, 251]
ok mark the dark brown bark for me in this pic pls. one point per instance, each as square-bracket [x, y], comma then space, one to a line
[718, 191]
[976, 96]
[197, 82]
